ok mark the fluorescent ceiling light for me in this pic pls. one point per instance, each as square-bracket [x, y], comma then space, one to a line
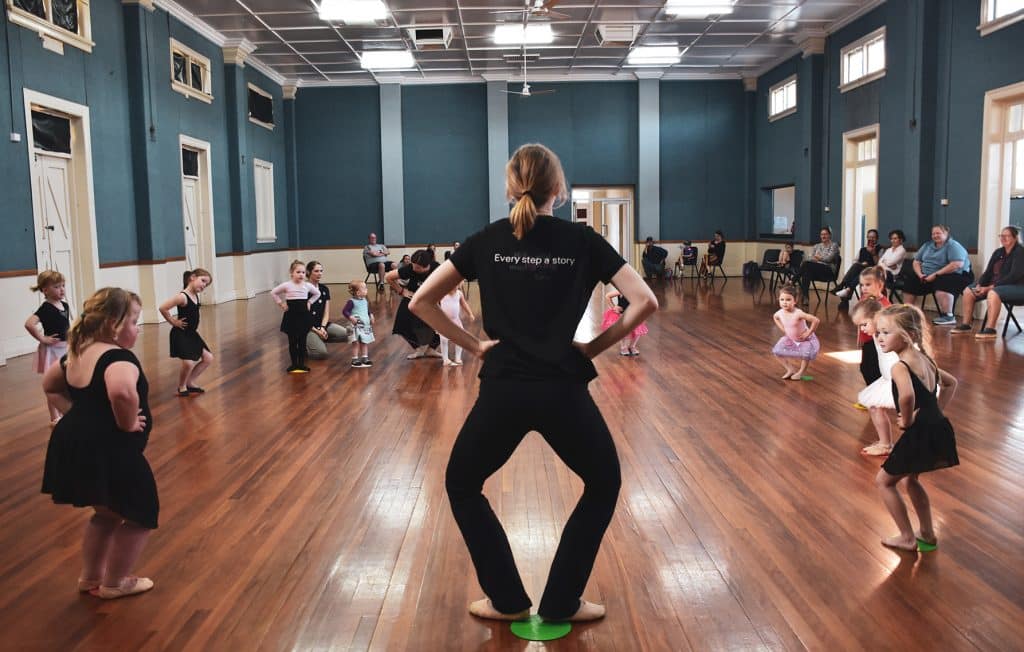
[387, 60]
[697, 8]
[654, 55]
[353, 11]
[513, 34]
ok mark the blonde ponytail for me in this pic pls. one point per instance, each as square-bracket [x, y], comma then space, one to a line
[532, 176]
[523, 216]
[101, 317]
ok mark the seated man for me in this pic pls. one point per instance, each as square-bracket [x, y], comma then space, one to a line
[653, 258]
[375, 257]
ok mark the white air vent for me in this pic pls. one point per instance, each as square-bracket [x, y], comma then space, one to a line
[518, 58]
[616, 35]
[431, 38]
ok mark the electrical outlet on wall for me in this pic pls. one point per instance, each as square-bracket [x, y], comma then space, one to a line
[944, 202]
[15, 137]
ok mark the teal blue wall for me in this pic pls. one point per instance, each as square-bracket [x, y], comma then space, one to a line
[1017, 212]
[591, 126]
[444, 151]
[703, 160]
[337, 134]
[269, 145]
[780, 159]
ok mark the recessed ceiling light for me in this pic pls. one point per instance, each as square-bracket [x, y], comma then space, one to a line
[353, 11]
[697, 8]
[654, 55]
[387, 60]
[514, 34]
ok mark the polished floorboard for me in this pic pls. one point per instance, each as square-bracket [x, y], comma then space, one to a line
[309, 513]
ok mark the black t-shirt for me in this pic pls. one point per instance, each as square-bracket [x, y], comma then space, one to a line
[533, 293]
[317, 309]
[55, 321]
[415, 280]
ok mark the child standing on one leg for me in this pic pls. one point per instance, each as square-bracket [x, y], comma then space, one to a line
[617, 305]
[798, 341]
[95, 454]
[186, 342]
[295, 297]
[54, 315]
[928, 442]
[452, 306]
[357, 311]
[877, 396]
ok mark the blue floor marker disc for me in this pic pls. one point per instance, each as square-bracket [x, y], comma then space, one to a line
[536, 628]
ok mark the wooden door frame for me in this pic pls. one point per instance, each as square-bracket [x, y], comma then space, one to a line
[207, 246]
[993, 187]
[850, 249]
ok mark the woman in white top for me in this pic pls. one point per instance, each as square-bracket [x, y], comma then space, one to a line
[892, 258]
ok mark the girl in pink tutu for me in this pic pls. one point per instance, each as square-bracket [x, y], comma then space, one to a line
[799, 341]
[617, 304]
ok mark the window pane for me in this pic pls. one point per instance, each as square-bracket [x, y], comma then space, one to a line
[34, 7]
[1006, 7]
[197, 76]
[876, 56]
[65, 14]
[179, 68]
[1016, 116]
[261, 107]
[51, 132]
[189, 162]
[790, 95]
[855, 64]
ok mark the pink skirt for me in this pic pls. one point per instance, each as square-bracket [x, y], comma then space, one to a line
[610, 317]
[789, 348]
[48, 354]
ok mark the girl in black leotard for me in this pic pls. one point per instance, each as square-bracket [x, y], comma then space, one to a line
[185, 340]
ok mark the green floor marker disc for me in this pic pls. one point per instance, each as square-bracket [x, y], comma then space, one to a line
[924, 546]
[536, 628]
[806, 377]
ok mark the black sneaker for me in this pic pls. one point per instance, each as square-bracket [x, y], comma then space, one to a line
[367, 362]
[985, 334]
[356, 362]
[961, 329]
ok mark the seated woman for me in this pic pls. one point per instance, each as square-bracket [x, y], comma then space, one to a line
[867, 257]
[715, 254]
[687, 257]
[892, 258]
[323, 330]
[822, 262]
[1003, 280]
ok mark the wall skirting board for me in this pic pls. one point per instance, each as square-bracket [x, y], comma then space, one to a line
[243, 276]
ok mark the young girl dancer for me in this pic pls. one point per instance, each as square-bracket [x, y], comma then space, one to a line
[357, 311]
[534, 377]
[94, 457]
[295, 297]
[452, 305]
[186, 343]
[877, 396]
[872, 287]
[928, 442]
[54, 314]
[617, 305]
[798, 340]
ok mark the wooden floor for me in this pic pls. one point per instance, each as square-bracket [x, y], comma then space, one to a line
[308, 513]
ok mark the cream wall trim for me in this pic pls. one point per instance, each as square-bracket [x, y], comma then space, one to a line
[86, 253]
[190, 19]
[48, 30]
[147, 4]
[289, 91]
[236, 50]
[269, 72]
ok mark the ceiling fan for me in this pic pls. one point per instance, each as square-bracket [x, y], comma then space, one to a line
[526, 91]
[539, 8]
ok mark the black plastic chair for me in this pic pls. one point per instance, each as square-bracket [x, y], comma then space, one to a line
[821, 274]
[770, 264]
[1009, 317]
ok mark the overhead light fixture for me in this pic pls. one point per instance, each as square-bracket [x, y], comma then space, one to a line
[654, 55]
[353, 12]
[387, 60]
[697, 8]
[514, 34]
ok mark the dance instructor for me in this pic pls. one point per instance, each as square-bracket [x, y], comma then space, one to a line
[536, 275]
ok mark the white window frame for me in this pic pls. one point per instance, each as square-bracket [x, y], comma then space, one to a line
[257, 89]
[781, 86]
[1015, 141]
[988, 25]
[191, 56]
[46, 29]
[266, 225]
[862, 44]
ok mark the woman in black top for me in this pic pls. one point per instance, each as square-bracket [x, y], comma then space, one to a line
[716, 252]
[419, 335]
[536, 274]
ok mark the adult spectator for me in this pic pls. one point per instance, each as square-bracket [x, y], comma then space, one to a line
[867, 257]
[716, 251]
[892, 258]
[422, 338]
[323, 329]
[822, 263]
[940, 266]
[653, 259]
[1003, 280]
[375, 257]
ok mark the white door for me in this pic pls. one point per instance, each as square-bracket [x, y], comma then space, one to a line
[189, 215]
[860, 193]
[614, 218]
[53, 179]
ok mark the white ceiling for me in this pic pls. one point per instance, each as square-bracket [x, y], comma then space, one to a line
[294, 43]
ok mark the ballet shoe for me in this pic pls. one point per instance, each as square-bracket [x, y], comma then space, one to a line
[588, 611]
[128, 586]
[484, 609]
[86, 586]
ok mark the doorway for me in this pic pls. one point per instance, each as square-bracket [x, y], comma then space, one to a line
[197, 203]
[860, 189]
[63, 211]
[1002, 166]
[609, 211]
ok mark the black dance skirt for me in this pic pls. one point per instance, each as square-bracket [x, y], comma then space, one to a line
[413, 329]
[928, 445]
[296, 321]
[187, 344]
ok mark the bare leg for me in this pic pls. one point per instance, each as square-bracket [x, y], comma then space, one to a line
[799, 373]
[923, 507]
[945, 302]
[99, 533]
[880, 417]
[887, 487]
[785, 363]
[968, 306]
[632, 345]
[995, 305]
[184, 373]
[199, 368]
[624, 346]
[127, 543]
